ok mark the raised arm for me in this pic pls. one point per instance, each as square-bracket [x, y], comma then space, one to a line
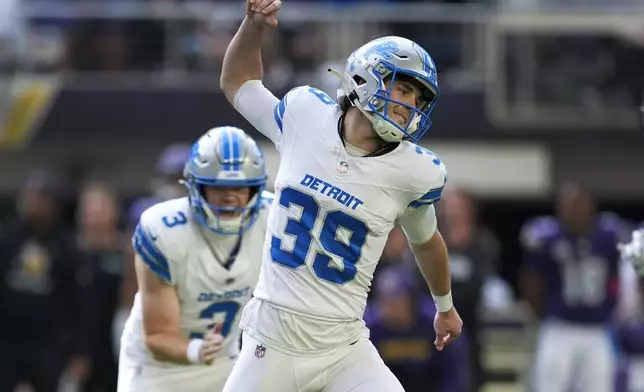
[243, 58]
[241, 75]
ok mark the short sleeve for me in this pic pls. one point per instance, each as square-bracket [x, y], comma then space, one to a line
[148, 246]
[435, 179]
[263, 110]
[419, 224]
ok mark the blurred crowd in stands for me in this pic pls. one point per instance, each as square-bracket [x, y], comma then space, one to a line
[588, 70]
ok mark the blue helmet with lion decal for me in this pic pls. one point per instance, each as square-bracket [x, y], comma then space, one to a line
[369, 76]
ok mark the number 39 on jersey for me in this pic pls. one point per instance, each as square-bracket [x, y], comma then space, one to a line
[332, 223]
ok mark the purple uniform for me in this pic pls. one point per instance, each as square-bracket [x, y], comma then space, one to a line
[581, 274]
[581, 278]
[630, 377]
[412, 356]
[631, 338]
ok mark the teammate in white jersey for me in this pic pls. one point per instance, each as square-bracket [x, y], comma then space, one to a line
[197, 262]
[349, 172]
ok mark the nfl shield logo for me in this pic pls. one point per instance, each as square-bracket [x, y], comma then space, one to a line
[260, 351]
[342, 167]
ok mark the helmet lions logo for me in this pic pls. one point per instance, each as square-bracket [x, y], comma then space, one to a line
[386, 49]
[197, 156]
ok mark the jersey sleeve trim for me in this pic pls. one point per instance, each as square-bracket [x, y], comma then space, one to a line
[278, 113]
[428, 198]
[150, 254]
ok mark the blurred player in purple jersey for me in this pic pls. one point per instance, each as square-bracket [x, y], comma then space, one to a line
[401, 326]
[571, 278]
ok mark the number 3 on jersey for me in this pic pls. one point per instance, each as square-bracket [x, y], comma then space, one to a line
[177, 220]
[334, 221]
[229, 309]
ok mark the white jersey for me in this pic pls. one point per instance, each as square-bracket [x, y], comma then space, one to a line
[191, 258]
[330, 220]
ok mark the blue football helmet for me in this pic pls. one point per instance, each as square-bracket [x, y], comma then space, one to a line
[225, 157]
[385, 59]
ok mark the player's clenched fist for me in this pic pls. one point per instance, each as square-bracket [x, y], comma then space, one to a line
[263, 11]
[211, 345]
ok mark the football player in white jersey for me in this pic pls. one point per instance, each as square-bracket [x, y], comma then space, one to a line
[349, 172]
[197, 262]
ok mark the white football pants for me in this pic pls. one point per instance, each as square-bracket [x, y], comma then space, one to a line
[356, 368]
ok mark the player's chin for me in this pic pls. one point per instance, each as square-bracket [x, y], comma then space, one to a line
[229, 215]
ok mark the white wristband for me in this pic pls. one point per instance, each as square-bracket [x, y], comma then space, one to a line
[443, 302]
[193, 351]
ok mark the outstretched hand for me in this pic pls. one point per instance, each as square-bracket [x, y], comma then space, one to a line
[448, 327]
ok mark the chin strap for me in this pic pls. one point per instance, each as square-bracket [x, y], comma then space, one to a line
[347, 84]
[384, 148]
